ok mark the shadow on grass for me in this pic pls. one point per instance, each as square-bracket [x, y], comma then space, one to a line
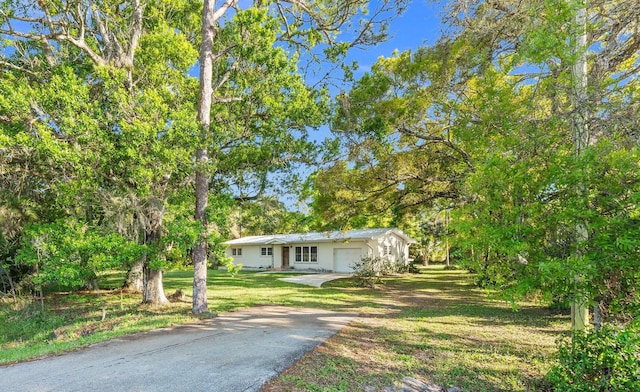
[435, 326]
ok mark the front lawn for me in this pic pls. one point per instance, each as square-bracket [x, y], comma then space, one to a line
[433, 326]
[73, 320]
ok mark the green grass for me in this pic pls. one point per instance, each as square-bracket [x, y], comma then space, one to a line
[438, 328]
[73, 320]
[434, 326]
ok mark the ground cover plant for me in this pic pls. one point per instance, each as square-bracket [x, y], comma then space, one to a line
[434, 326]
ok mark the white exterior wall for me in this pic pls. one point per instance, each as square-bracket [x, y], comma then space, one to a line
[251, 254]
[399, 248]
[325, 257]
[252, 258]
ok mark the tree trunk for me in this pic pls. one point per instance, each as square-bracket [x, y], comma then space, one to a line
[153, 289]
[446, 225]
[135, 277]
[199, 254]
[597, 316]
[579, 310]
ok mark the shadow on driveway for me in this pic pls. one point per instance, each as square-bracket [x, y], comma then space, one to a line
[238, 351]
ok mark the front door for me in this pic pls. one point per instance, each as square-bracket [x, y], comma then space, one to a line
[285, 257]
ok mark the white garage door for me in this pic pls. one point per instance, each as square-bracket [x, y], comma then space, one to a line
[343, 258]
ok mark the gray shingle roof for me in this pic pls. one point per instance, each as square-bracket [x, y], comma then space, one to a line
[329, 236]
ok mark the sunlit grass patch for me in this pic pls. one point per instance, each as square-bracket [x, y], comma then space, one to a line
[433, 326]
[436, 326]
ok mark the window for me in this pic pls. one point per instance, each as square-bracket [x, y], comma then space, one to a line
[266, 251]
[387, 250]
[236, 251]
[306, 254]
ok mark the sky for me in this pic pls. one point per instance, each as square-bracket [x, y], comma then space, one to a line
[420, 24]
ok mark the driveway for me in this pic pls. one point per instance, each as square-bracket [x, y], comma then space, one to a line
[237, 351]
[315, 280]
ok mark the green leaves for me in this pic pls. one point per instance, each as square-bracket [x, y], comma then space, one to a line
[70, 253]
[604, 360]
[530, 190]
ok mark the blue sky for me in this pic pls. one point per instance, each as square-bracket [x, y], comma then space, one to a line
[420, 24]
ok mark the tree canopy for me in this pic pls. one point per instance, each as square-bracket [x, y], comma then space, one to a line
[483, 123]
[99, 130]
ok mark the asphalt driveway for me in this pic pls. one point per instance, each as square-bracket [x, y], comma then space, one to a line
[237, 351]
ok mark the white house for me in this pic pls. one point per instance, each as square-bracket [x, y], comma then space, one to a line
[329, 251]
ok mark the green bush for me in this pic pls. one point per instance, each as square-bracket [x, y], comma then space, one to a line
[598, 361]
[369, 270]
[407, 268]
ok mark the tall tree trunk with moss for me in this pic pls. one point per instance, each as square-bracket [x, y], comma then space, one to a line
[153, 290]
[134, 281]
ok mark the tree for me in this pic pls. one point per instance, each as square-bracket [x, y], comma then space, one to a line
[579, 71]
[259, 97]
[106, 104]
[536, 206]
[486, 117]
[401, 158]
[266, 215]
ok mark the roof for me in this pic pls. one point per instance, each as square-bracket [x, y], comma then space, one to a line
[328, 236]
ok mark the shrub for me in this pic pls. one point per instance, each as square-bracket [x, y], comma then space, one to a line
[603, 360]
[369, 270]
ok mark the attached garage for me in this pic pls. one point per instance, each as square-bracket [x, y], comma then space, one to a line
[344, 258]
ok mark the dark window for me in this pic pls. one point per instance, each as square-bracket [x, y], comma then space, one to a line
[266, 251]
[236, 251]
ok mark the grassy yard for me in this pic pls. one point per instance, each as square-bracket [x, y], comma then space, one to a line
[73, 320]
[432, 326]
[435, 327]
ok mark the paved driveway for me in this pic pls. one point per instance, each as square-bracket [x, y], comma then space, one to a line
[237, 351]
[315, 280]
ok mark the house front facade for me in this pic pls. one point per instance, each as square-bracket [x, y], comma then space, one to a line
[328, 251]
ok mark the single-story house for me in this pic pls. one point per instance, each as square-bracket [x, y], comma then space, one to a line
[329, 251]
